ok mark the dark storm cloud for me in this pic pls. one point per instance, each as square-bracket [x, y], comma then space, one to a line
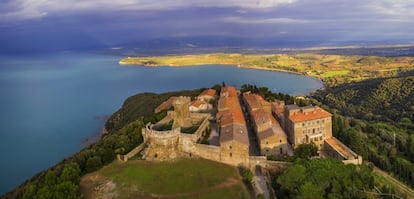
[111, 22]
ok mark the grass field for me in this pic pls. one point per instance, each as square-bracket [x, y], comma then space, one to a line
[184, 178]
[333, 69]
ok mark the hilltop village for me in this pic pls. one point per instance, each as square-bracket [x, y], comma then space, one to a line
[240, 129]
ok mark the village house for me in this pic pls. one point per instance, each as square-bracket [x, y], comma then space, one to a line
[271, 137]
[234, 140]
[207, 95]
[310, 124]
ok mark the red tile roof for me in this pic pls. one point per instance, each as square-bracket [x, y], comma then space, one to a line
[231, 115]
[260, 117]
[209, 92]
[309, 113]
[197, 103]
[255, 101]
[165, 105]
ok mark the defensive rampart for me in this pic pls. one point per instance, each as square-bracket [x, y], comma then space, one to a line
[132, 153]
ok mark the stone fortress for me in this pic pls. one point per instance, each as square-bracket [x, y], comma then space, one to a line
[278, 129]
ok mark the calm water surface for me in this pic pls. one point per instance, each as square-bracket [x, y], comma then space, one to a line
[50, 103]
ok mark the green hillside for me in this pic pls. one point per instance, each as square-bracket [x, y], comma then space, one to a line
[375, 119]
[387, 99]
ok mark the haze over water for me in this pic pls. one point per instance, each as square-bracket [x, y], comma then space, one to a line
[50, 103]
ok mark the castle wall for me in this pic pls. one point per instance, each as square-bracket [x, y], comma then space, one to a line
[207, 152]
[132, 153]
[162, 145]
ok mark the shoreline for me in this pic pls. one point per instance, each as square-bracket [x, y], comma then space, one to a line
[121, 62]
[323, 83]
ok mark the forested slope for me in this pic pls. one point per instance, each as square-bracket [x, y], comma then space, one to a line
[388, 99]
[375, 118]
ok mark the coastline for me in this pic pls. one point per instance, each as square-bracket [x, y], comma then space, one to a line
[331, 69]
[122, 62]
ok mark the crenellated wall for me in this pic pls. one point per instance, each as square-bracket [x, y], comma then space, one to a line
[162, 145]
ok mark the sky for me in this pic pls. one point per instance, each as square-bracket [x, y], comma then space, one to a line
[58, 24]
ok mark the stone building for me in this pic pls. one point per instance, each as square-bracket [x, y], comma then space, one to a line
[309, 124]
[234, 144]
[271, 137]
[234, 140]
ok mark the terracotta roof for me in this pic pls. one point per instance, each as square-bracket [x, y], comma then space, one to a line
[197, 103]
[309, 113]
[278, 130]
[234, 132]
[260, 116]
[209, 92]
[255, 101]
[341, 148]
[231, 118]
[229, 90]
[165, 105]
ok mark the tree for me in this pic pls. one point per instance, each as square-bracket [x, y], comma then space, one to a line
[247, 175]
[323, 178]
[71, 173]
[306, 150]
[93, 164]
[29, 191]
[310, 191]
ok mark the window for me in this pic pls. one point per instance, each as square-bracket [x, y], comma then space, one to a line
[313, 131]
[231, 155]
[280, 141]
[230, 147]
[303, 124]
[267, 142]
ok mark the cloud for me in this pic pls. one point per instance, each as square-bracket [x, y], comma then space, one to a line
[264, 20]
[32, 9]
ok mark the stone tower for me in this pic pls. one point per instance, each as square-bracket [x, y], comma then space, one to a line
[182, 112]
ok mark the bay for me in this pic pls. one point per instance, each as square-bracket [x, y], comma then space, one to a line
[51, 102]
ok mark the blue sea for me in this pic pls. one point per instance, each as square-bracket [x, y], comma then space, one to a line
[51, 103]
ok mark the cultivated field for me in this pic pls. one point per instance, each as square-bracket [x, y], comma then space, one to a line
[184, 178]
